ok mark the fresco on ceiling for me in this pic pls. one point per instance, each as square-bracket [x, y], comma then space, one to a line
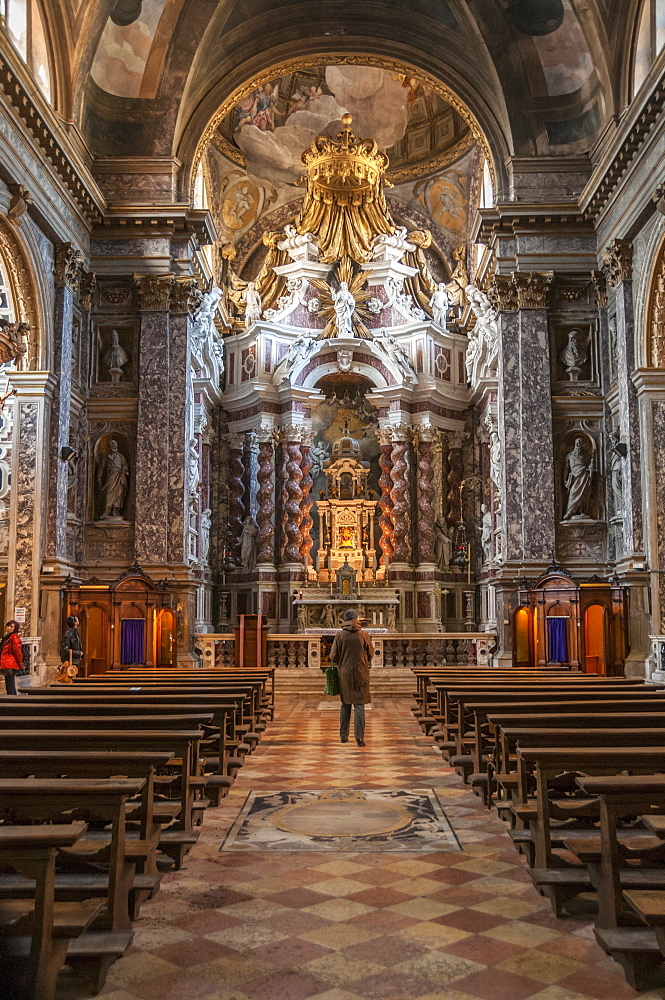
[564, 56]
[122, 53]
[276, 121]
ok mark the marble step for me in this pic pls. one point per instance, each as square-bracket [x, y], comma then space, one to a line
[385, 682]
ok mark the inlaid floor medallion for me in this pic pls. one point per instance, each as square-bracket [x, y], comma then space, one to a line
[342, 820]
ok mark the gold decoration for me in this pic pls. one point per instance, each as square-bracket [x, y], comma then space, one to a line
[345, 272]
[420, 286]
[24, 299]
[656, 326]
[154, 291]
[345, 204]
[618, 262]
[532, 288]
[269, 285]
[69, 265]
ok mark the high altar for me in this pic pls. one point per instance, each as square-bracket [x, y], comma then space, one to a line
[346, 396]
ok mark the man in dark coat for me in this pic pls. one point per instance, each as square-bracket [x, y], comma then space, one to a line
[71, 640]
[352, 653]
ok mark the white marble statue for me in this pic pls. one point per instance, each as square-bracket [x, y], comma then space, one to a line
[485, 335]
[253, 304]
[390, 618]
[345, 306]
[443, 546]
[193, 462]
[574, 356]
[389, 345]
[577, 481]
[319, 453]
[439, 304]
[115, 357]
[203, 320]
[301, 618]
[495, 450]
[299, 352]
[204, 534]
[328, 617]
[248, 536]
[486, 533]
[112, 478]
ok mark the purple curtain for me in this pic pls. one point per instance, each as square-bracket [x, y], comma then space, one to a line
[557, 641]
[132, 644]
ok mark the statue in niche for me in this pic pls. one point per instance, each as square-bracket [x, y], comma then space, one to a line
[495, 450]
[616, 476]
[115, 357]
[345, 306]
[574, 356]
[486, 532]
[301, 618]
[439, 304]
[193, 461]
[252, 305]
[388, 344]
[443, 546]
[248, 535]
[204, 534]
[577, 480]
[112, 479]
[300, 351]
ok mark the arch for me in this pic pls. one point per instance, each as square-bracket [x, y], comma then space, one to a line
[27, 300]
[653, 340]
[378, 373]
[219, 100]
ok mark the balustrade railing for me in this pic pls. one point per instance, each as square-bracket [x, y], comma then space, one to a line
[391, 649]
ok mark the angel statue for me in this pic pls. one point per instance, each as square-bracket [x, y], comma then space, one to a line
[388, 344]
[203, 320]
[252, 301]
[439, 305]
[459, 279]
[301, 350]
[344, 308]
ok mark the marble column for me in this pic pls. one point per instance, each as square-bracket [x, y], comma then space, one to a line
[384, 436]
[236, 494]
[180, 423]
[400, 493]
[293, 498]
[454, 480]
[69, 264]
[525, 419]
[425, 531]
[307, 501]
[266, 498]
[618, 268]
[28, 504]
[153, 488]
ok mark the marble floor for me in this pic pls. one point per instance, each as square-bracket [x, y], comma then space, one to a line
[310, 926]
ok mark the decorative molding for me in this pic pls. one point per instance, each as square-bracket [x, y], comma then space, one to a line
[69, 265]
[600, 284]
[154, 291]
[502, 293]
[618, 262]
[656, 321]
[185, 295]
[87, 288]
[18, 206]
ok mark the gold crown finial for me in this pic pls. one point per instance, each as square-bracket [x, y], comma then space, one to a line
[347, 119]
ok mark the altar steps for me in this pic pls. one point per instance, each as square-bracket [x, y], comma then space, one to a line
[385, 682]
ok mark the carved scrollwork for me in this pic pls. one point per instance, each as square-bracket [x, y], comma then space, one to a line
[69, 265]
[657, 316]
[618, 262]
[533, 288]
[154, 291]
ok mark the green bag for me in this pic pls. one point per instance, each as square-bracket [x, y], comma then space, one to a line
[332, 681]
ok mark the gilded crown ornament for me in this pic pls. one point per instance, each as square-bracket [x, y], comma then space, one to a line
[345, 204]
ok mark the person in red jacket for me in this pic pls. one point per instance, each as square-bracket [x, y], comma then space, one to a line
[11, 655]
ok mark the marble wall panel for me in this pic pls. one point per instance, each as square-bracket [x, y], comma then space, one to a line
[633, 534]
[60, 420]
[152, 446]
[658, 424]
[510, 434]
[26, 532]
[180, 430]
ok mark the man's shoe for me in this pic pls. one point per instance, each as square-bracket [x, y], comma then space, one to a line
[344, 739]
[361, 743]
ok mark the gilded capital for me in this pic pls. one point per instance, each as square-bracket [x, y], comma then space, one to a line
[400, 432]
[87, 289]
[266, 434]
[532, 288]
[502, 293]
[425, 433]
[618, 262]
[384, 436]
[69, 264]
[185, 295]
[154, 291]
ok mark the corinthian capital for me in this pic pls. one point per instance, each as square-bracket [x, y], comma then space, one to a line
[185, 295]
[69, 265]
[400, 432]
[618, 262]
[384, 435]
[154, 291]
[502, 293]
[87, 290]
[532, 288]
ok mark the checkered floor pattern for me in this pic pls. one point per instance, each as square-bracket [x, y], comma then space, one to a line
[309, 926]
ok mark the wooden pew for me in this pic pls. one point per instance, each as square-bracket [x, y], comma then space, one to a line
[36, 932]
[636, 948]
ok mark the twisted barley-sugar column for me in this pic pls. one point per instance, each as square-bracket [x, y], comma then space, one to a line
[307, 502]
[425, 532]
[265, 499]
[292, 511]
[399, 495]
[385, 503]
[236, 493]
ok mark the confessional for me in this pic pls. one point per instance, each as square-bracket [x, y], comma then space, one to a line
[129, 621]
[559, 621]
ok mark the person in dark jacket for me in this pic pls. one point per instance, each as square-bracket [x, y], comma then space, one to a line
[11, 655]
[352, 653]
[71, 640]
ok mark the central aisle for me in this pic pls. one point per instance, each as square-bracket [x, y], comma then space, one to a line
[350, 926]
